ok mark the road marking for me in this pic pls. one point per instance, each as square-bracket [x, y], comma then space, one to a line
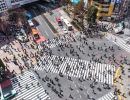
[46, 33]
[127, 39]
[38, 19]
[48, 26]
[43, 20]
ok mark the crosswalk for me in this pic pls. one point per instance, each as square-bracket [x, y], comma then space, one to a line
[77, 68]
[28, 87]
[109, 96]
[119, 42]
[59, 40]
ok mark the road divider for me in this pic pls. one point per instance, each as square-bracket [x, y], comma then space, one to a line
[49, 23]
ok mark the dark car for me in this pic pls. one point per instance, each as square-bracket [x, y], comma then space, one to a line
[35, 22]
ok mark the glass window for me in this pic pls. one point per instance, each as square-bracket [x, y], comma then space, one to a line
[103, 1]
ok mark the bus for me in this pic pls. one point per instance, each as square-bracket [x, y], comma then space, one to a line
[67, 24]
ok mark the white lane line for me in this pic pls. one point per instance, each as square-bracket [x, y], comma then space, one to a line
[47, 26]
[46, 33]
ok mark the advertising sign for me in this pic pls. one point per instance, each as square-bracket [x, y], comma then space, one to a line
[75, 1]
[118, 1]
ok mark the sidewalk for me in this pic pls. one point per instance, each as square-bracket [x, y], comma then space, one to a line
[126, 82]
[121, 83]
[118, 41]
[15, 49]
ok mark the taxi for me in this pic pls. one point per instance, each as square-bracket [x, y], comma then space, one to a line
[38, 38]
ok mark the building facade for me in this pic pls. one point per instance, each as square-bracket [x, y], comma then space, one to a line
[11, 4]
[121, 8]
[17, 3]
[105, 7]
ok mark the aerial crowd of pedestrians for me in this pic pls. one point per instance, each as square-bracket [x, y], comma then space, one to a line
[92, 46]
[25, 56]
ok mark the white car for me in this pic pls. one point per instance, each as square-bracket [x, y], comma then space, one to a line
[65, 30]
[31, 23]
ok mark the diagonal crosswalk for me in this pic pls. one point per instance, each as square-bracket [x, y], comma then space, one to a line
[109, 96]
[77, 68]
[28, 87]
[119, 42]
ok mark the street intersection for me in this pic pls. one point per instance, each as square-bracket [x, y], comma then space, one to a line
[73, 67]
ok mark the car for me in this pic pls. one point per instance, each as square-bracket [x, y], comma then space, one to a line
[118, 27]
[28, 15]
[38, 38]
[30, 22]
[58, 19]
[35, 22]
[65, 31]
[128, 69]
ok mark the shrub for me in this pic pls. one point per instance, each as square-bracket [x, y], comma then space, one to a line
[76, 25]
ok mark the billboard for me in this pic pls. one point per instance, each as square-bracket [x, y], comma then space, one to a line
[75, 1]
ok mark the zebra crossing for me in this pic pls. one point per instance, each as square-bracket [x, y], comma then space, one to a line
[119, 42]
[28, 87]
[59, 40]
[77, 68]
[109, 96]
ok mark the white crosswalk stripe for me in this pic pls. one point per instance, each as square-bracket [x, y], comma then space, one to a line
[33, 92]
[108, 96]
[119, 42]
[71, 67]
[55, 42]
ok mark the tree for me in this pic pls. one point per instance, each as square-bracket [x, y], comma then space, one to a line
[79, 8]
[79, 12]
[67, 2]
[91, 14]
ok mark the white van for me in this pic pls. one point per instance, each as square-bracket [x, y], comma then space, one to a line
[118, 28]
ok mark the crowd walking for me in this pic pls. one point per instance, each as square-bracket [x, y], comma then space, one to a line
[96, 69]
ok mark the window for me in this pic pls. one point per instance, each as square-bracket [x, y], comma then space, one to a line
[103, 1]
[103, 11]
[105, 6]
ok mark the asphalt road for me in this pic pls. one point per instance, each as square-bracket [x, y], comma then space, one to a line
[77, 93]
[43, 27]
[78, 90]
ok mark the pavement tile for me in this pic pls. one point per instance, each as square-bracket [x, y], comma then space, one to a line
[17, 46]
